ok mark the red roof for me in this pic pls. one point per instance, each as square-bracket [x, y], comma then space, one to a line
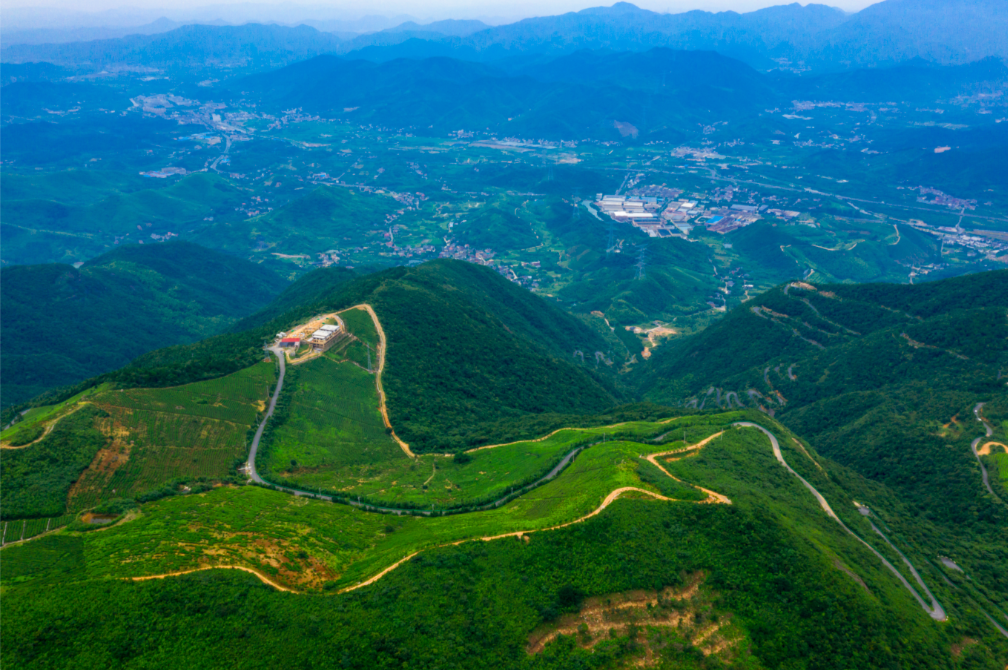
[291, 339]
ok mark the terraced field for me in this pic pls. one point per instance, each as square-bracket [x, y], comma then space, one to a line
[26, 529]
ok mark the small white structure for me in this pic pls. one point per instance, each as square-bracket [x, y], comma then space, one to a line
[323, 338]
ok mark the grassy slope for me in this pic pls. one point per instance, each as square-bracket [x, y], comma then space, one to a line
[472, 358]
[772, 560]
[62, 325]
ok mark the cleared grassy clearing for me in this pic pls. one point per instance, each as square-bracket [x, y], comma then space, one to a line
[332, 439]
[359, 322]
[334, 434]
[236, 397]
[385, 476]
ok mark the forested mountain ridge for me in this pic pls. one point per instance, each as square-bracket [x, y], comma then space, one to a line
[580, 94]
[798, 319]
[882, 378]
[825, 37]
[472, 357]
[98, 317]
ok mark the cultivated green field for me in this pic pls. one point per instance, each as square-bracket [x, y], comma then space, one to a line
[333, 423]
[161, 435]
[25, 529]
[329, 436]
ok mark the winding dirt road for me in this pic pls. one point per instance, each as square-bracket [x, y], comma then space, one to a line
[609, 499]
[48, 429]
[712, 496]
[382, 346]
[263, 578]
[934, 609]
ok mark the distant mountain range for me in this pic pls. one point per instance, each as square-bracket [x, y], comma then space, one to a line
[789, 37]
[571, 97]
[658, 92]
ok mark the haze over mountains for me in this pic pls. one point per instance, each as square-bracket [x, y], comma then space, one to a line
[786, 36]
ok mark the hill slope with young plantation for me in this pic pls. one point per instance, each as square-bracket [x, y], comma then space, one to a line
[472, 358]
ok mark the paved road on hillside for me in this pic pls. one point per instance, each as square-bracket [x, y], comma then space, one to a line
[976, 443]
[253, 474]
[935, 609]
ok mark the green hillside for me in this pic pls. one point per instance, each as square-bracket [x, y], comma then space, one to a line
[634, 534]
[134, 443]
[769, 580]
[882, 378]
[306, 291]
[472, 358]
[75, 216]
[62, 324]
[326, 218]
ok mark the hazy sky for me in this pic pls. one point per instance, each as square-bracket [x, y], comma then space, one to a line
[231, 10]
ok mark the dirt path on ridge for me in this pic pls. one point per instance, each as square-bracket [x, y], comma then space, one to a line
[712, 496]
[382, 346]
[609, 499]
[49, 428]
[261, 576]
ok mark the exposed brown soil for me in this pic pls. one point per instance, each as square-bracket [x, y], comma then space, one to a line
[986, 450]
[712, 496]
[106, 461]
[957, 648]
[640, 614]
[258, 574]
[98, 519]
